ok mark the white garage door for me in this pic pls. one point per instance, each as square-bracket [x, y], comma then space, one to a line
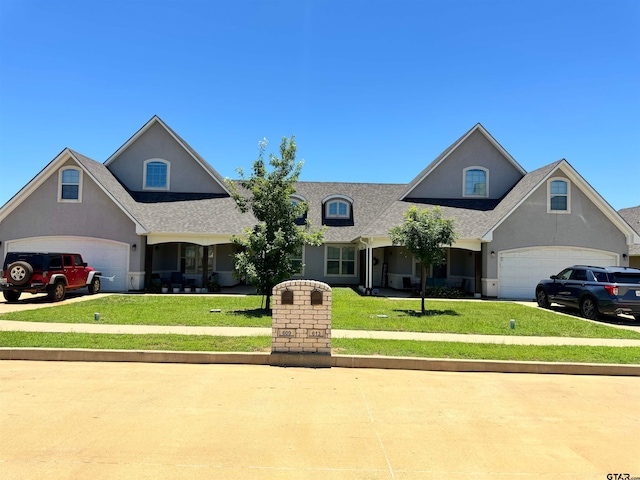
[109, 257]
[519, 271]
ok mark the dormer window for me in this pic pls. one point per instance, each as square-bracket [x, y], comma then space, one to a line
[337, 210]
[156, 174]
[296, 200]
[558, 196]
[70, 185]
[476, 182]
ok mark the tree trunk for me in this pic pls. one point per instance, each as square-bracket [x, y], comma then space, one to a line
[267, 304]
[423, 284]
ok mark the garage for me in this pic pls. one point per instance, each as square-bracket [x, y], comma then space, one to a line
[107, 256]
[519, 271]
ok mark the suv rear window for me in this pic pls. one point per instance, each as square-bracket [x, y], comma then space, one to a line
[35, 260]
[624, 277]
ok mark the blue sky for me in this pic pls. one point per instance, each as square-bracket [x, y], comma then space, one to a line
[373, 90]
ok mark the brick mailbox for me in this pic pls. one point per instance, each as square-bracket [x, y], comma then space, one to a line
[301, 329]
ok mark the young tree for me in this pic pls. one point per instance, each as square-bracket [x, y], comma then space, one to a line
[425, 233]
[265, 257]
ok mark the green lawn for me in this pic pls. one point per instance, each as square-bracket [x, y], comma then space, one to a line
[357, 346]
[350, 311]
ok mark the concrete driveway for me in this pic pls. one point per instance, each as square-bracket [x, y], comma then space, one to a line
[62, 420]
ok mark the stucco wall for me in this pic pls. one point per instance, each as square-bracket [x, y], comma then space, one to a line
[530, 225]
[186, 175]
[41, 215]
[446, 181]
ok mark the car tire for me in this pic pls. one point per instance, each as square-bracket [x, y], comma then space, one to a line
[589, 308]
[20, 273]
[11, 296]
[542, 298]
[58, 292]
[94, 286]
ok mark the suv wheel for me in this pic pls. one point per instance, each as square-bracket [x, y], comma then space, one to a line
[58, 292]
[20, 273]
[11, 295]
[542, 298]
[588, 308]
[94, 286]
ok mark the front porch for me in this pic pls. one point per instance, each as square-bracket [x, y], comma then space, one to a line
[393, 267]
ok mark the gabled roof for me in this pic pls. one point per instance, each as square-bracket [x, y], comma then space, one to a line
[452, 148]
[156, 120]
[94, 170]
[632, 217]
[533, 180]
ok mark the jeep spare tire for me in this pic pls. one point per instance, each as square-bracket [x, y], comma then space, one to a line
[20, 272]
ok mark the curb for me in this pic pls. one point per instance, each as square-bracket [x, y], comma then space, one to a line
[341, 361]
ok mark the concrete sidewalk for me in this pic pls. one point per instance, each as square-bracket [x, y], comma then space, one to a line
[10, 325]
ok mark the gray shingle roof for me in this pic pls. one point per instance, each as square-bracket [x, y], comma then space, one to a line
[632, 217]
[376, 208]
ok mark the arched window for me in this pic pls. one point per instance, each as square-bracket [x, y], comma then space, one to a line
[337, 207]
[156, 174]
[476, 182]
[70, 185]
[558, 196]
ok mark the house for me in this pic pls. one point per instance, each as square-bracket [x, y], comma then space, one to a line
[632, 216]
[157, 209]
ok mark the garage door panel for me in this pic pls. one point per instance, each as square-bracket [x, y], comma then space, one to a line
[519, 271]
[109, 257]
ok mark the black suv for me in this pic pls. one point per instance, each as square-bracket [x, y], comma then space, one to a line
[53, 273]
[594, 290]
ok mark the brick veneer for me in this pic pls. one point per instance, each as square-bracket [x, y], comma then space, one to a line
[301, 327]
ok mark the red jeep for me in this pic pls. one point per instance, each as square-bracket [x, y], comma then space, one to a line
[54, 273]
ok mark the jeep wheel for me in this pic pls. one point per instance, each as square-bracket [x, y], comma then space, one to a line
[20, 273]
[11, 295]
[588, 308]
[94, 286]
[57, 292]
[542, 298]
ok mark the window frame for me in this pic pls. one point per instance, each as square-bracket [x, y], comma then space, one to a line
[302, 264]
[338, 199]
[486, 182]
[566, 195]
[61, 184]
[145, 170]
[198, 250]
[340, 261]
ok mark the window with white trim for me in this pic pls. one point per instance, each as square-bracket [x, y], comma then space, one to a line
[191, 255]
[337, 209]
[70, 185]
[340, 260]
[558, 196]
[476, 182]
[156, 174]
[298, 262]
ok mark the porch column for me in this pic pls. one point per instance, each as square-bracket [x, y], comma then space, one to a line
[369, 267]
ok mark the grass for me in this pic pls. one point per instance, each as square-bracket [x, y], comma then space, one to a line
[350, 312]
[394, 348]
